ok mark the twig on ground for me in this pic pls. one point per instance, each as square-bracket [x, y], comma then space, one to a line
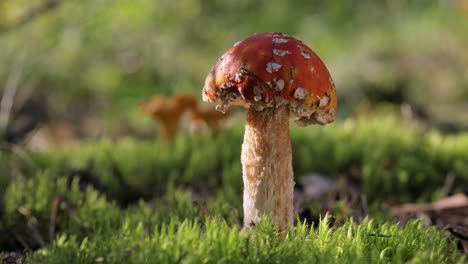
[364, 204]
[23, 243]
[451, 202]
[53, 217]
[203, 208]
[32, 225]
[448, 184]
[8, 97]
[58, 201]
[460, 232]
[379, 235]
[235, 216]
[19, 152]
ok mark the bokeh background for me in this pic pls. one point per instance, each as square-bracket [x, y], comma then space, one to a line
[82, 67]
[82, 161]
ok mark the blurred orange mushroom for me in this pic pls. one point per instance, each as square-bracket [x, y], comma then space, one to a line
[167, 112]
[208, 118]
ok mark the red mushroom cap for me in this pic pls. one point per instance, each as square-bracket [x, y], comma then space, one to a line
[273, 69]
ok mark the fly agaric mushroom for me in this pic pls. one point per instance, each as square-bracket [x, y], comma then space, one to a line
[277, 77]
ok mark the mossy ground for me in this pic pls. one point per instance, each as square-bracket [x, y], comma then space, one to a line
[180, 201]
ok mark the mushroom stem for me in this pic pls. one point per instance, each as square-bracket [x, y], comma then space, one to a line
[168, 124]
[267, 167]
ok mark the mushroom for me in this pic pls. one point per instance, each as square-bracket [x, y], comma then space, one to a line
[276, 77]
[168, 111]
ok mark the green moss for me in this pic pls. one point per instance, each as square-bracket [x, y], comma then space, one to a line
[393, 163]
[174, 229]
[214, 241]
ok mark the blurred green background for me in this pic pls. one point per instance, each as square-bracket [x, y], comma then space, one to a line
[77, 70]
[89, 63]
